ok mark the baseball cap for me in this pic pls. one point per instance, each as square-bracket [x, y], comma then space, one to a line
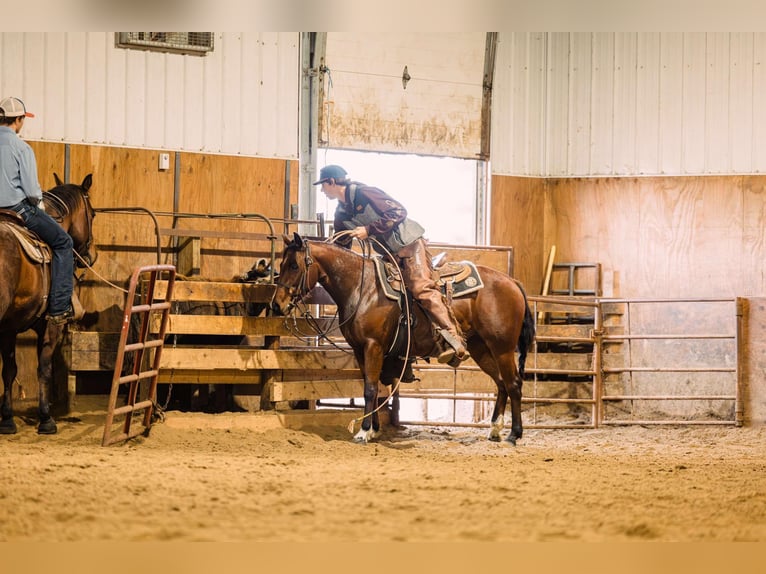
[335, 172]
[14, 108]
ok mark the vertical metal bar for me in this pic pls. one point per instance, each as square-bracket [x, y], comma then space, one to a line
[741, 307]
[67, 162]
[598, 365]
[286, 206]
[176, 203]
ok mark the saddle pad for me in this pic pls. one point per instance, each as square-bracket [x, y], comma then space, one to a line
[37, 251]
[464, 283]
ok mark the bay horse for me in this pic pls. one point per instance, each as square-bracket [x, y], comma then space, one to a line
[496, 320]
[24, 293]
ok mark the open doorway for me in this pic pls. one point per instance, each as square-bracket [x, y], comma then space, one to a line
[440, 193]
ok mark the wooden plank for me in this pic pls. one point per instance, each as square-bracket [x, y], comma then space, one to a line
[496, 257]
[234, 325]
[341, 418]
[245, 358]
[189, 256]
[312, 390]
[218, 376]
[217, 291]
[199, 233]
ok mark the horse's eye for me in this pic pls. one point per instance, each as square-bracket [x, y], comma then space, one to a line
[294, 266]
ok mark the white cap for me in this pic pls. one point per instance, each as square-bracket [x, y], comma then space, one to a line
[14, 108]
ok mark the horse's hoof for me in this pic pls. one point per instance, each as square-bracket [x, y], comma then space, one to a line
[493, 438]
[8, 426]
[48, 427]
[511, 440]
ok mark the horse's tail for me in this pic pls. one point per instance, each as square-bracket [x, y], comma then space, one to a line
[527, 336]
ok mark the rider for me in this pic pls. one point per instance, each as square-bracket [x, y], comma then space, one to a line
[20, 191]
[369, 212]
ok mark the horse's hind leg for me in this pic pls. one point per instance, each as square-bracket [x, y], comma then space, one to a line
[8, 352]
[486, 362]
[512, 382]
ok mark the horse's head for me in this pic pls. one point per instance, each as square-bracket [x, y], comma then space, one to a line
[70, 205]
[292, 283]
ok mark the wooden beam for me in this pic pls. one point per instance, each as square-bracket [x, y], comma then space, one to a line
[249, 359]
[217, 291]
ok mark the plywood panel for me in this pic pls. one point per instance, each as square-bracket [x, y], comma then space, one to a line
[50, 160]
[233, 185]
[517, 219]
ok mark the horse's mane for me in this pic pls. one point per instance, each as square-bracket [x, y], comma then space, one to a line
[69, 195]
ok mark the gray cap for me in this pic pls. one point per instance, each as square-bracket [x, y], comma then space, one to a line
[328, 172]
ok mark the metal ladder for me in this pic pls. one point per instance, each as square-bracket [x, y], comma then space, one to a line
[150, 312]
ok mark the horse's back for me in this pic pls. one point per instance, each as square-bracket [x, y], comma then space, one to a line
[498, 307]
[21, 287]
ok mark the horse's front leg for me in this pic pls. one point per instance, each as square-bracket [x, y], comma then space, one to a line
[46, 344]
[8, 351]
[373, 363]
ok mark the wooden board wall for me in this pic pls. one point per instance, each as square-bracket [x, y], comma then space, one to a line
[517, 218]
[654, 236]
[125, 177]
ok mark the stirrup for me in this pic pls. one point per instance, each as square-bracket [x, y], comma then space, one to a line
[458, 348]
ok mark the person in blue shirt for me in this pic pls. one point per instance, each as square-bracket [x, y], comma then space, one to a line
[20, 191]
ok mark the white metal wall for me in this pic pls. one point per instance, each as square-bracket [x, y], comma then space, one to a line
[584, 104]
[241, 99]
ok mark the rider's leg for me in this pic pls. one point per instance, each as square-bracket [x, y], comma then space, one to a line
[417, 273]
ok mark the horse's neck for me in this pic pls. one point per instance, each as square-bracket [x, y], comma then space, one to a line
[340, 270]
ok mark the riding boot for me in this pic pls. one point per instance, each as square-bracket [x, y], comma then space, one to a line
[456, 351]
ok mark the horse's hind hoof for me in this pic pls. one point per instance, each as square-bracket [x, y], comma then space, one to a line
[511, 440]
[8, 426]
[48, 427]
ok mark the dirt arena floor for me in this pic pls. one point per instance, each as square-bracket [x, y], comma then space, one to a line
[242, 477]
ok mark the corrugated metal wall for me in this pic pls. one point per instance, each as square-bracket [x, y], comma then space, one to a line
[580, 104]
[241, 99]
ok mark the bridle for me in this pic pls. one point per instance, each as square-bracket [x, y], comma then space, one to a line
[63, 211]
[301, 288]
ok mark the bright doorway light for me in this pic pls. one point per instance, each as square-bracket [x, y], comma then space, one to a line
[438, 192]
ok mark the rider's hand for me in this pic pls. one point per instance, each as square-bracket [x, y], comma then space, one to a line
[359, 232]
[41, 205]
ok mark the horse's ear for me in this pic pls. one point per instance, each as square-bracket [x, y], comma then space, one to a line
[87, 182]
[286, 239]
[57, 179]
[297, 239]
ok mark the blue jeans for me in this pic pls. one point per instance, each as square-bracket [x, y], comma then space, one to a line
[62, 264]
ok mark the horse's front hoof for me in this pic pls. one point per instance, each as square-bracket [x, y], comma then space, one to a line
[493, 438]
[365, 436]
[8, 426]
[511, 440]
[48, 427]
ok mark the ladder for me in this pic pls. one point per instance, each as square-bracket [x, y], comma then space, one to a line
[135, 345]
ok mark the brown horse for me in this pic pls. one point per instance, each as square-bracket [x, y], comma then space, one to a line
[496, 320]
[24, 294]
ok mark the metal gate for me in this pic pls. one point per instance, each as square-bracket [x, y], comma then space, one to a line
[136, 345]
[596, 362]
